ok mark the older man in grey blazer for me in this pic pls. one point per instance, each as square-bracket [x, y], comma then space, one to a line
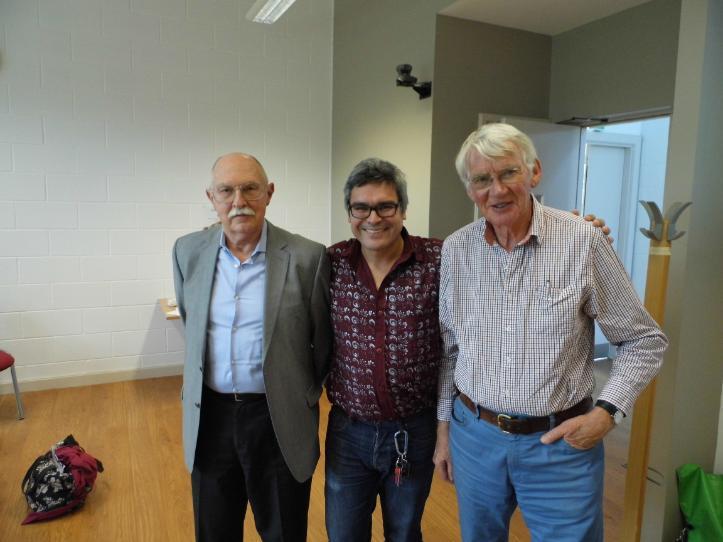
[254, 300]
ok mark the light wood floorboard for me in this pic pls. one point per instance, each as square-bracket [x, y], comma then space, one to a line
[134, 428]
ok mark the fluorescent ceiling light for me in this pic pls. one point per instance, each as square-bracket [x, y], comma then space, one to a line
[267, 11]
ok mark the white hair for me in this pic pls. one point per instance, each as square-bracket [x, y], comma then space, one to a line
[494, 141]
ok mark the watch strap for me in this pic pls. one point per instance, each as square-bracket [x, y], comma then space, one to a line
[610, 408]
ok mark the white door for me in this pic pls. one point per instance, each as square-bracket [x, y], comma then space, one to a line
[609, 186]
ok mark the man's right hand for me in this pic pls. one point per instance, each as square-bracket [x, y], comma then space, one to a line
[442, 459]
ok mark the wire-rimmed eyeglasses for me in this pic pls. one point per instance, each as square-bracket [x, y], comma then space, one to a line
[510, 175]
[223, 193]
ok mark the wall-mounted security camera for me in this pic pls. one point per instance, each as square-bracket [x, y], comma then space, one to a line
[406, 79]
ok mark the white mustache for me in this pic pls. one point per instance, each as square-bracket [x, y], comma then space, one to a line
[241, 211]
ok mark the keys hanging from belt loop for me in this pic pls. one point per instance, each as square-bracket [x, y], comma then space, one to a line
[401, 467]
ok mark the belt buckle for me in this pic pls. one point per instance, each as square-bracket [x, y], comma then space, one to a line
[500, 418]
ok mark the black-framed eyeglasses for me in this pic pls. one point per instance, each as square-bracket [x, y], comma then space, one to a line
[383, 210]
[223, 193]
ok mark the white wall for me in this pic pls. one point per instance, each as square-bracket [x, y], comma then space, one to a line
[111, 114]
[374, 117]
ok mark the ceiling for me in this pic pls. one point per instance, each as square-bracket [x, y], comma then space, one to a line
[549, 17]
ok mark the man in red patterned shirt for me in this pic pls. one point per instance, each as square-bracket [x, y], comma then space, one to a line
[383, 380]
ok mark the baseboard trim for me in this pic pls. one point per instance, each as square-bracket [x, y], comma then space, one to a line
[91, 379]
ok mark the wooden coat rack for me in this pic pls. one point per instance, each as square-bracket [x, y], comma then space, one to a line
[661, 233]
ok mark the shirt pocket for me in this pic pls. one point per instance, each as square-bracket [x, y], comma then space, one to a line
[553, 309]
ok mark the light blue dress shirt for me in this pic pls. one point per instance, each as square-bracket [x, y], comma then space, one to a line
[234, 356]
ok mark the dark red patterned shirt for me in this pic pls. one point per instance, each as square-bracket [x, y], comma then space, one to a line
[386, 341]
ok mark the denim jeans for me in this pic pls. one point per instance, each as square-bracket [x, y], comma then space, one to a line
[360, 460]
[558, 488]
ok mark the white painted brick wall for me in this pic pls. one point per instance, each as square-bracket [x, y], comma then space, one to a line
[10, 326]
[109, 268]
[7, 215]
[50, 323]
[126, 343]
[136, 242]
[158, 360]
[137, 292]
[23, 243]
[38, 215]
[111, 114]
[6, 157]
[107, 319]
[78, 242]
[77, 188]
[8, 271]
[21, 187]
[46, 270]
[107, 216]
[175, 340]
[86, 294]
[149, 317]
[34, 297]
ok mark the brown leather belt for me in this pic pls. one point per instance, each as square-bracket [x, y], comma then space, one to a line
[524, 425]
[234, 397]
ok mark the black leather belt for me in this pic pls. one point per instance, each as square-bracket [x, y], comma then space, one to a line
[524, 425]
[234, 397]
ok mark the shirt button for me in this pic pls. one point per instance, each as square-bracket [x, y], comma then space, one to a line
[508, 359]
[378, 350]
[508, 328]
[238, 297]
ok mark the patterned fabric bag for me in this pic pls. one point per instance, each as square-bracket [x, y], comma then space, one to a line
[59, 480]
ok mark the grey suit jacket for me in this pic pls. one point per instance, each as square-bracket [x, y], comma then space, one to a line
[297, 337]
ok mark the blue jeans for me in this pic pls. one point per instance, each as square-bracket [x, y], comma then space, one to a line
[558, 488]
[360, 460]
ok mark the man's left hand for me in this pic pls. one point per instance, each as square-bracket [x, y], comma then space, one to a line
[582, 432]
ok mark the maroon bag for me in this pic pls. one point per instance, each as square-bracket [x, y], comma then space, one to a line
[59, 480]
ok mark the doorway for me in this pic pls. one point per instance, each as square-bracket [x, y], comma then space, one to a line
[622, 164]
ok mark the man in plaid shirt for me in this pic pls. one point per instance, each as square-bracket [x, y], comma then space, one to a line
[520, 290]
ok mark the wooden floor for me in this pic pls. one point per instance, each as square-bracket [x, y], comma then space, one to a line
[134, 428]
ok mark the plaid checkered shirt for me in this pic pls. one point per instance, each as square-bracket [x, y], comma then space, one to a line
[517, 327]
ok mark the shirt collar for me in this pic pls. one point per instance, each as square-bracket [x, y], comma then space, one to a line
[537, 226]
[260, 246]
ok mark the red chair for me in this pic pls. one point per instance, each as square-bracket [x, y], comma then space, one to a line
[6, 360]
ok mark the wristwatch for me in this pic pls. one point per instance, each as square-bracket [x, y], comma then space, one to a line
[615, 413]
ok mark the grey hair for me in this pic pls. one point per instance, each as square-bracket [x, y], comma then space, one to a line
[494, 141]
[377, 171]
